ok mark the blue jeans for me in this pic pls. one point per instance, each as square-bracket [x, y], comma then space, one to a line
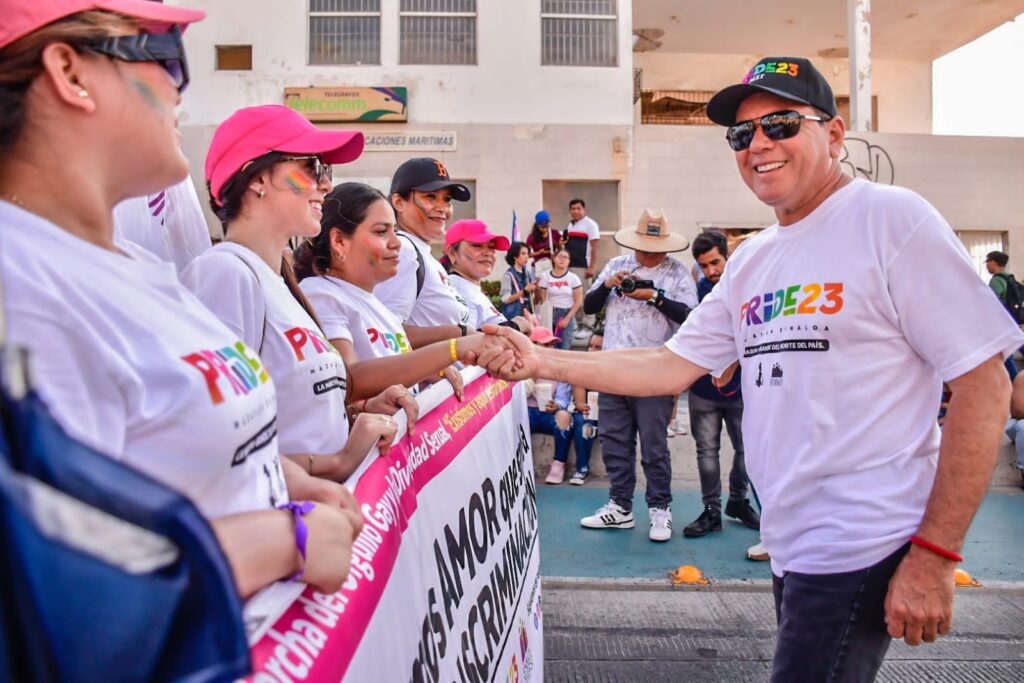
[544, 423]
[566, 334]
[1015, 432]
[832, 626]
[706, 418]
[584, 444]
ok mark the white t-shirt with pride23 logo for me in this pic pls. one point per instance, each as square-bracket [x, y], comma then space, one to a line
[846, 323]
[130, 363]
[350, 313]
[481, 310]
[254, 302]
[560, 288]
[437, 304]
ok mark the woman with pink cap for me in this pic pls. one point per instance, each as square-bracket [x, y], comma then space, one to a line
[268, 170]
[356, 250]
[128, 361]
[469, 249]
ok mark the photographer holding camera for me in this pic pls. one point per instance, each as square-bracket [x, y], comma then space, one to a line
[648, 294]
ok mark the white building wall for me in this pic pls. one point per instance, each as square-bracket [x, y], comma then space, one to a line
[690, 172]
[903, 89]
[508, 85]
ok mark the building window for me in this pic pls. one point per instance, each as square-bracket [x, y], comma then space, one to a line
[675, 107]
[437, 32]
[579, 33]
[344, 31]
[234, 58]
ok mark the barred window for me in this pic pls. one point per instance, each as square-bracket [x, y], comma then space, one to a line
[344, 31]
[579, 33]
[437, 32]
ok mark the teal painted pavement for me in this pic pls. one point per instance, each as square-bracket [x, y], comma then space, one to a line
[994, 550]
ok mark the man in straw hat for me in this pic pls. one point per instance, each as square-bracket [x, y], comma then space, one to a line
[648, 294]
[832, 315]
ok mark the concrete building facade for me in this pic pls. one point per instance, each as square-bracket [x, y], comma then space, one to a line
[529, 126]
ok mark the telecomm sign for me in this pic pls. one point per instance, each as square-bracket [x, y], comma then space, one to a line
[349, 104]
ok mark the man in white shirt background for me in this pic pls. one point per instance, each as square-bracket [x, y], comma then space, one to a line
[581, 238]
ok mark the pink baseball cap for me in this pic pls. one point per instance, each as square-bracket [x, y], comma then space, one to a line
[22, 17]
[475, 232]
[542, 335]
[255, 131]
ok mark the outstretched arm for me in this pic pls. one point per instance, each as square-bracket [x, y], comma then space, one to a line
[627, 372]
[919, 605]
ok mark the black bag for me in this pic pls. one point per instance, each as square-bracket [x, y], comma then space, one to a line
[1014, 300]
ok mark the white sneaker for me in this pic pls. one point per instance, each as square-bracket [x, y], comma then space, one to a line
[681, 429]
[758, 553]
[661, 524]
[610, 516]
[670, 432]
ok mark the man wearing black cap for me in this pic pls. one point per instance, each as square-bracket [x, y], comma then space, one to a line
[832, 315]
[420, 294]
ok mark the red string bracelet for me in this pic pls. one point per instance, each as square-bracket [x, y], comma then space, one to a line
[938, 550]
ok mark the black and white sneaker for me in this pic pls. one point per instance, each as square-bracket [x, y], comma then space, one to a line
[610, 516]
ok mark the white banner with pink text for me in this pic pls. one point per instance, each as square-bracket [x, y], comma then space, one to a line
[445, 580]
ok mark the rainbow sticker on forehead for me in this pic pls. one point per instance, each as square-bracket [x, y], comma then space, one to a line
[764, 68]
[299, 182]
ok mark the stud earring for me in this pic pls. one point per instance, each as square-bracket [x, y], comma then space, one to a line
[83, 93]
[260, 194]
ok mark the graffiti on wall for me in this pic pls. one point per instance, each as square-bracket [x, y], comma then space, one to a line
[864, 160]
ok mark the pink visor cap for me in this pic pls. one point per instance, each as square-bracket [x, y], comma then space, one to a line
[474, 232]
[22, 17]
[542, 335]
[254, 131]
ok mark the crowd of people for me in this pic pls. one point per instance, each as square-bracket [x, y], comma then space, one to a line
[257, 380]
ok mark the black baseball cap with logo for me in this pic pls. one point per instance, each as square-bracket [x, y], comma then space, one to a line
[792, 78]
[424, 174]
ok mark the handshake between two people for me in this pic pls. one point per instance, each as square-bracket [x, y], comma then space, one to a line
[502, 351]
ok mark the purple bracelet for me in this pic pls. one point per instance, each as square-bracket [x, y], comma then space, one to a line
[299, 510]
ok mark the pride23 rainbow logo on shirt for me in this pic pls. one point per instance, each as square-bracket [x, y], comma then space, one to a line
[229, 371]
[809, 299]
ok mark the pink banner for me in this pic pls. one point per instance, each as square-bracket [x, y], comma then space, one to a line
[318, 635]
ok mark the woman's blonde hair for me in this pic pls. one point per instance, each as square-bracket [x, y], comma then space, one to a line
[21, 61]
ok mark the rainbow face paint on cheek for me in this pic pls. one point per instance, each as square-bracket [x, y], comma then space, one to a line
[298, 182]
[149, 96]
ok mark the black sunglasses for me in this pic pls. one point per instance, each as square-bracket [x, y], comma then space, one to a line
[165, 49]
[316, 166]
[779, 125]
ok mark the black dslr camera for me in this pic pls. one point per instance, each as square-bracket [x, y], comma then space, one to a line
[630, 284]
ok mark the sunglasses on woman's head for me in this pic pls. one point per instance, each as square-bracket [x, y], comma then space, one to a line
[316, 166]
[165, 49]
[779, 125]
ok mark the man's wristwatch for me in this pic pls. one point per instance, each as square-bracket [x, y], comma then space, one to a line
[658, 299]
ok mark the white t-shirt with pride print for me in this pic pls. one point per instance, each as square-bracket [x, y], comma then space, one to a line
[437, 304]
[481, 310]
[355, 315]
[560, 288]
[846, 323]
[254, 302]
[130, 363]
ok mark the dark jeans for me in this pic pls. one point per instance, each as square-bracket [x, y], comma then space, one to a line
[542, 422]
[581, 426]
[706, 419]
[832, 626]
[622, 418]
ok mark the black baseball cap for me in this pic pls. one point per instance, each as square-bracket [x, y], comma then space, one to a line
[424, 174]
[793, 78]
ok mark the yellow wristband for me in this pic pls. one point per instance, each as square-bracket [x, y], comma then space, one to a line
[453, 350]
